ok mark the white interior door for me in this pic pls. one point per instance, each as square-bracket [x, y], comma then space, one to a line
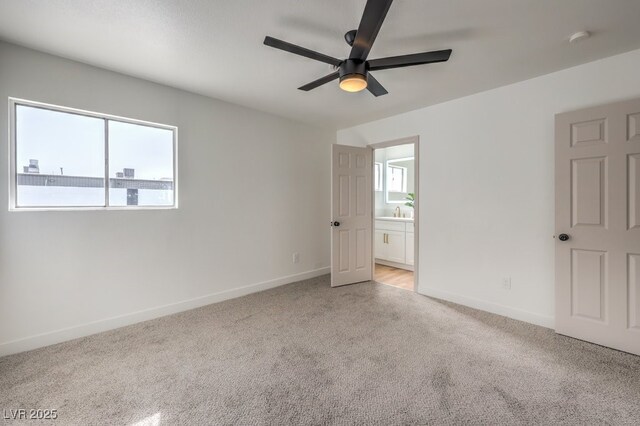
[598, 225]
[352, 211]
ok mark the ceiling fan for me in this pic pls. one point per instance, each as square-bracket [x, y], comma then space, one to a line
[355, 71]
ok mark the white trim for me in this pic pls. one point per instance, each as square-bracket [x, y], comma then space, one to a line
[77, 111]
[11, 147]
[74, 332]
[393, 160]
[107, 182]
[378, 185]
[492, 307]
[404, 266]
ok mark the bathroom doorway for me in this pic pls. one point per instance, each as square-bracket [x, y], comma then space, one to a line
[395, 207]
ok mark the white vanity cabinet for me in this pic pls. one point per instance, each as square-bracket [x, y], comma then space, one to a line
[380, 244]
[395, 246]
[410, 244]
[391, 242]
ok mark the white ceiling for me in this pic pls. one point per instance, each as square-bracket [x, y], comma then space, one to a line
[214, 47]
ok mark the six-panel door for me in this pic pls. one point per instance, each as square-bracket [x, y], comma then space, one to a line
[351, 206]
[598, 207]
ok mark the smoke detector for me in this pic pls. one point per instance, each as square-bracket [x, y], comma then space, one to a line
[579, 36]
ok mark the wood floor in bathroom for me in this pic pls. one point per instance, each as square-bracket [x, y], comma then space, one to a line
[394, 276]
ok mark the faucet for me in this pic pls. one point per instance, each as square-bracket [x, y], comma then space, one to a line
[396, 213]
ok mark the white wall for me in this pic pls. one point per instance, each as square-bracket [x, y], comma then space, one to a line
[487, 184]
[67, 274]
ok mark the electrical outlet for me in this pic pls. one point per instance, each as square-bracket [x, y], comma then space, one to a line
[296, 257]
[506, 283]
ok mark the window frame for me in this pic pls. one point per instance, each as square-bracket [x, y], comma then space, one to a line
[13, 168]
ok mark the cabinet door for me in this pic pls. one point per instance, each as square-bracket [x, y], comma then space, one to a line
[410, 248]
[395, 246]
[380, 247]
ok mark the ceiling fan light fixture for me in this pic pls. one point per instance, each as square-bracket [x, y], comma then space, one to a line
[353, 82]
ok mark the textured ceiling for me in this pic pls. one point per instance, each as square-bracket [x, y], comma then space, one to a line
[214, 47]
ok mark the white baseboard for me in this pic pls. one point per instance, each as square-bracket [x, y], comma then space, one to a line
[62, 335]
[404, 266]
[492, 307]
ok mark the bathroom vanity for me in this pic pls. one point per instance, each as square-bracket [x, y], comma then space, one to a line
[394, 242]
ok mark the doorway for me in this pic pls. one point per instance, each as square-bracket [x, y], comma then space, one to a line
[395, 189]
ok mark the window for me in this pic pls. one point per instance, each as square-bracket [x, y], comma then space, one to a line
[397, 179]
[62, 157]
[377, 176]
[140, 165]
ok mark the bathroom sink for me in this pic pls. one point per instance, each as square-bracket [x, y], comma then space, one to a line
[400, 219]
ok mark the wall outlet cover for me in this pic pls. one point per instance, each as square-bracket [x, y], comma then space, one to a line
[506, 283]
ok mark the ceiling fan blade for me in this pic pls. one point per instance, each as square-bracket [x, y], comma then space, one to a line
[374, 13]
[375, 87]
[319, 82]
[409, 60]
[302, 51]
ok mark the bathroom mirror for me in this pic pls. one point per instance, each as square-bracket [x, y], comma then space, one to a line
[399, 182]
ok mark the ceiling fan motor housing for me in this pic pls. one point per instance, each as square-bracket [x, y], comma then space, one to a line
[350, 37]
[353, 66]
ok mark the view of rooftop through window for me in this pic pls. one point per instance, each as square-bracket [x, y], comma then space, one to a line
[60, 160]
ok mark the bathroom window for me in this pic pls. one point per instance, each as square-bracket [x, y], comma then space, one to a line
[377, 176]
[397, 179]
[63, 158]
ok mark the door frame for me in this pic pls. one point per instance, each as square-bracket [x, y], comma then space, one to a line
[415, 140]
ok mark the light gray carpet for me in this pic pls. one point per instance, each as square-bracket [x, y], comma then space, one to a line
[308, 354]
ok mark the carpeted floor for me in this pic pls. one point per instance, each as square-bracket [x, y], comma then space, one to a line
[308, 354]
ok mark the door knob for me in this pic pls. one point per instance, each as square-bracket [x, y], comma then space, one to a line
[336, 223]
[563, 237]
